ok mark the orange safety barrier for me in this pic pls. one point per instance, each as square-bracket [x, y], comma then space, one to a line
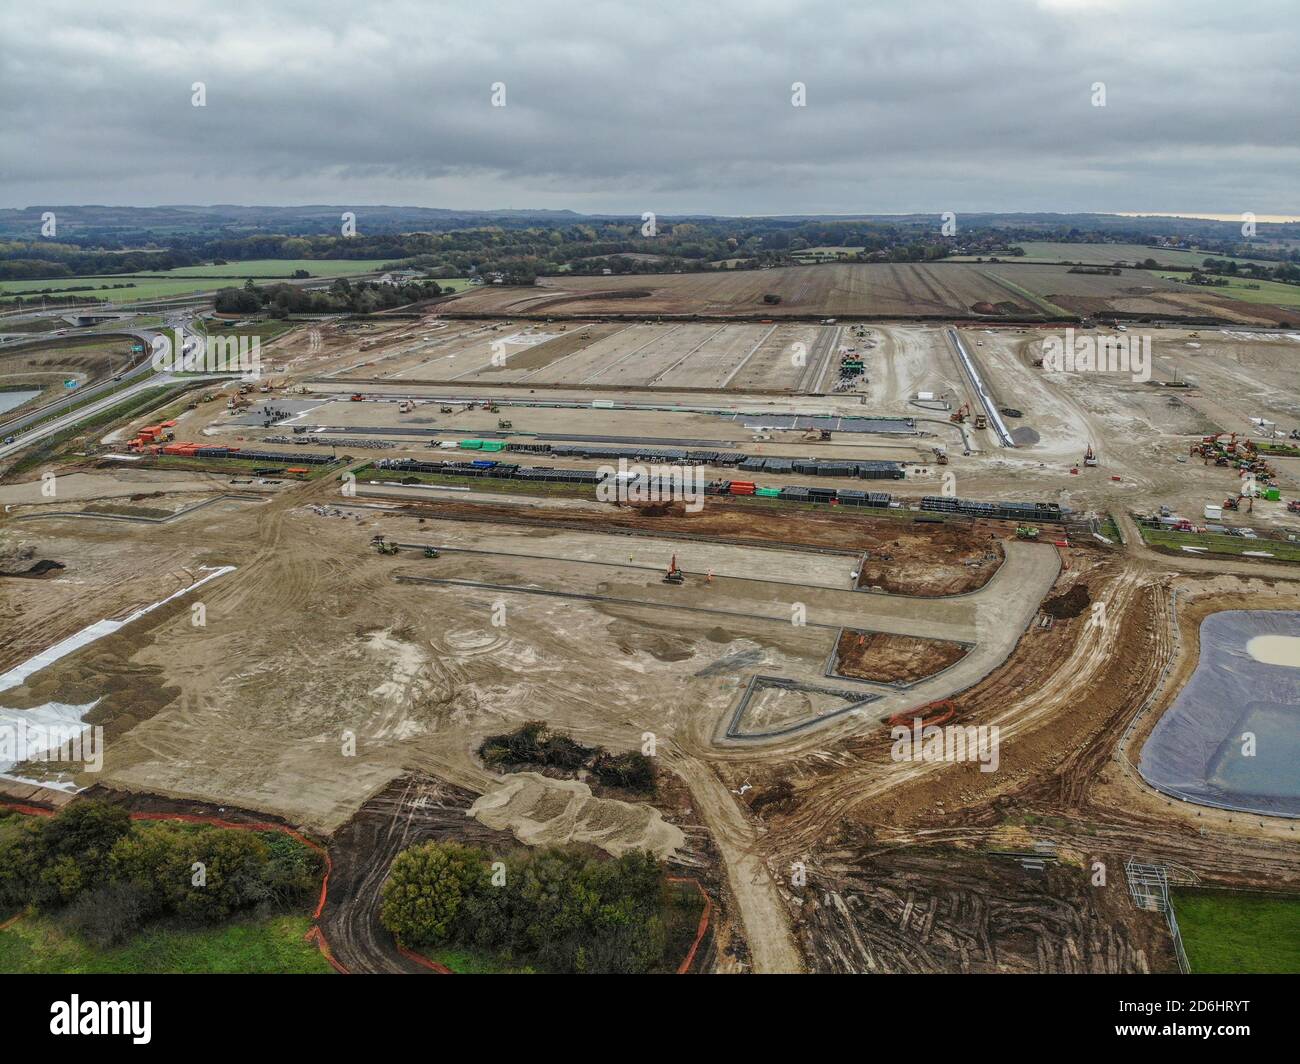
[685, 966]
[946, 711]
[315, 934]
[419, 958]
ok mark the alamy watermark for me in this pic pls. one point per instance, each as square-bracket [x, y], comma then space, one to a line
[635, 483]
[1115, 353]
[183, 352]
[931, 743]
[66, 742]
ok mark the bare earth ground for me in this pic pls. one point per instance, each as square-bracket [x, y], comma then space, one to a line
[324, 677]
[893, 659]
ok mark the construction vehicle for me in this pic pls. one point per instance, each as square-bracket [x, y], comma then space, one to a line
[1089, 456]
[1231, 503]
[405, 406]
[981, 422]
[492, 408]
[674, 574]
[1293, 506]
[430, 552]
[817, 435]
[960, 414]
[940, 455]
[358, 397]
[1026, 532]
[386, 547]
[444, 410]
[502, 423]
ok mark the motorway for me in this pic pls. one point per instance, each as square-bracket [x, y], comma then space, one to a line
[93, 398]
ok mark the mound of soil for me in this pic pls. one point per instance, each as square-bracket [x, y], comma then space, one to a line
[1069, 603]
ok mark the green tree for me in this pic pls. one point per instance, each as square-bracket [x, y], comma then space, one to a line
[426, 887]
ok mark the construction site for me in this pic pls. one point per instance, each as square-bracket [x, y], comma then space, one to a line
[772, 553]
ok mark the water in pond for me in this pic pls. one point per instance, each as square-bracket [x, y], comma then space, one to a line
[10, 400]
[1231, 738]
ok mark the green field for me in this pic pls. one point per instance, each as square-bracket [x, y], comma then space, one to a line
[1239, 933]
[265, 329]
[1246, 290]
[37, 945]
[278, 268]
[190, 279]
[1216, 544]
[1109, 254]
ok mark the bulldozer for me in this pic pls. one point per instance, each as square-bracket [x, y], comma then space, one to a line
[817, 435]
[674, 574]
[1027, 532]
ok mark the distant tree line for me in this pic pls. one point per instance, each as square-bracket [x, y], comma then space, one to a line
[104, 876]
[342, 296]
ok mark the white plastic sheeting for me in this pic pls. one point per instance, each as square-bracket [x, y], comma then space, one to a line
[21, 729]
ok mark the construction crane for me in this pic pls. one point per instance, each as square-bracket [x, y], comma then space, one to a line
[674, 574]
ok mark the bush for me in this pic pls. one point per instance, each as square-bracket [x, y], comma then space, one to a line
[535, 744]
[108, 915]
[422, 897]
[632, 771]
[556, 908]
[92, 854]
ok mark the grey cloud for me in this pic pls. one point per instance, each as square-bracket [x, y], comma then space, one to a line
[676, 107]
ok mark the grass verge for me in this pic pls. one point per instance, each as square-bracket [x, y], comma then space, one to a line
[1242, 934]
[37, 945]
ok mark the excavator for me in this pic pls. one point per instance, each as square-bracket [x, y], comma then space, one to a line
[960, 415]
[1027, 532]
[1089, 456]
[383, 546]
[674, 574]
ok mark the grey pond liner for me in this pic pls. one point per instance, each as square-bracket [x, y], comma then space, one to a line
[1195, 751]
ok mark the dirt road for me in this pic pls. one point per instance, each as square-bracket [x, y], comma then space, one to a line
[758, 900]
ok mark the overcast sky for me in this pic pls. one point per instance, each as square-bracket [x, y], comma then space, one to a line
[626, 107]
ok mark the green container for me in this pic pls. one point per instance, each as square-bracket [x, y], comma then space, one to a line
[471, 445]
[768, 492]
[1273, 495]
[492, 445]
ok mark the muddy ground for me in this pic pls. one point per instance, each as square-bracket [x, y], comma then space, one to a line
[944, 909]
[887, 658]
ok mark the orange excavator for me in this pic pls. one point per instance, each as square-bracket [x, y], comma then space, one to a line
[674, 574]
[960, 414]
